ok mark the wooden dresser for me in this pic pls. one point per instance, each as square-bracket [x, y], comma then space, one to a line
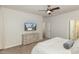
[30, 37]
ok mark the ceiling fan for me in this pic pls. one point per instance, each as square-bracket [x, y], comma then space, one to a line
[49, 10]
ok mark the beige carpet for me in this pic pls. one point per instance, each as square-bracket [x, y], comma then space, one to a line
[26, 49]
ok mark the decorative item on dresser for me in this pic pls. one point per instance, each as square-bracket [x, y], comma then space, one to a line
[30, 37]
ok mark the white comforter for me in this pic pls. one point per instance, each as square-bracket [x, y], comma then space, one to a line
[51, 46]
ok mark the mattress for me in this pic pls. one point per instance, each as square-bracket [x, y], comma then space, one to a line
[51, 46]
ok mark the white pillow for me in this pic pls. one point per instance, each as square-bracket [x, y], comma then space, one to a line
[75, 48]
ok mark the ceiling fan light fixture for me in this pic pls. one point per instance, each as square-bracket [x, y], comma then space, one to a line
[49, 12]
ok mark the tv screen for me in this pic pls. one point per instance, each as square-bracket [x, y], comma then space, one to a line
[30, 26]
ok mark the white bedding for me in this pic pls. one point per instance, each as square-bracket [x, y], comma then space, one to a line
[51, 46]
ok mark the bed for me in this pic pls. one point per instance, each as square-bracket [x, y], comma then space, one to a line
[52, 46]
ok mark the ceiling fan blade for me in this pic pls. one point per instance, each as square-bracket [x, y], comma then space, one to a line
[55, 8]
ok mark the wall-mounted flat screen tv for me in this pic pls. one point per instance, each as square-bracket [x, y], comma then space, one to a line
[30, 26]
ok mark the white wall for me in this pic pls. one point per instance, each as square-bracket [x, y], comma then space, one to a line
[60, 23]
[0, 29]
[14, 25]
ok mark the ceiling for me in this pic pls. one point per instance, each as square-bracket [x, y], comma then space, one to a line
[35, 8]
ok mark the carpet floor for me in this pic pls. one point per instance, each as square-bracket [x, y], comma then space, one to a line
[25, 49]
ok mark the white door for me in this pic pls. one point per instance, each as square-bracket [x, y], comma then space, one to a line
[48, 30]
